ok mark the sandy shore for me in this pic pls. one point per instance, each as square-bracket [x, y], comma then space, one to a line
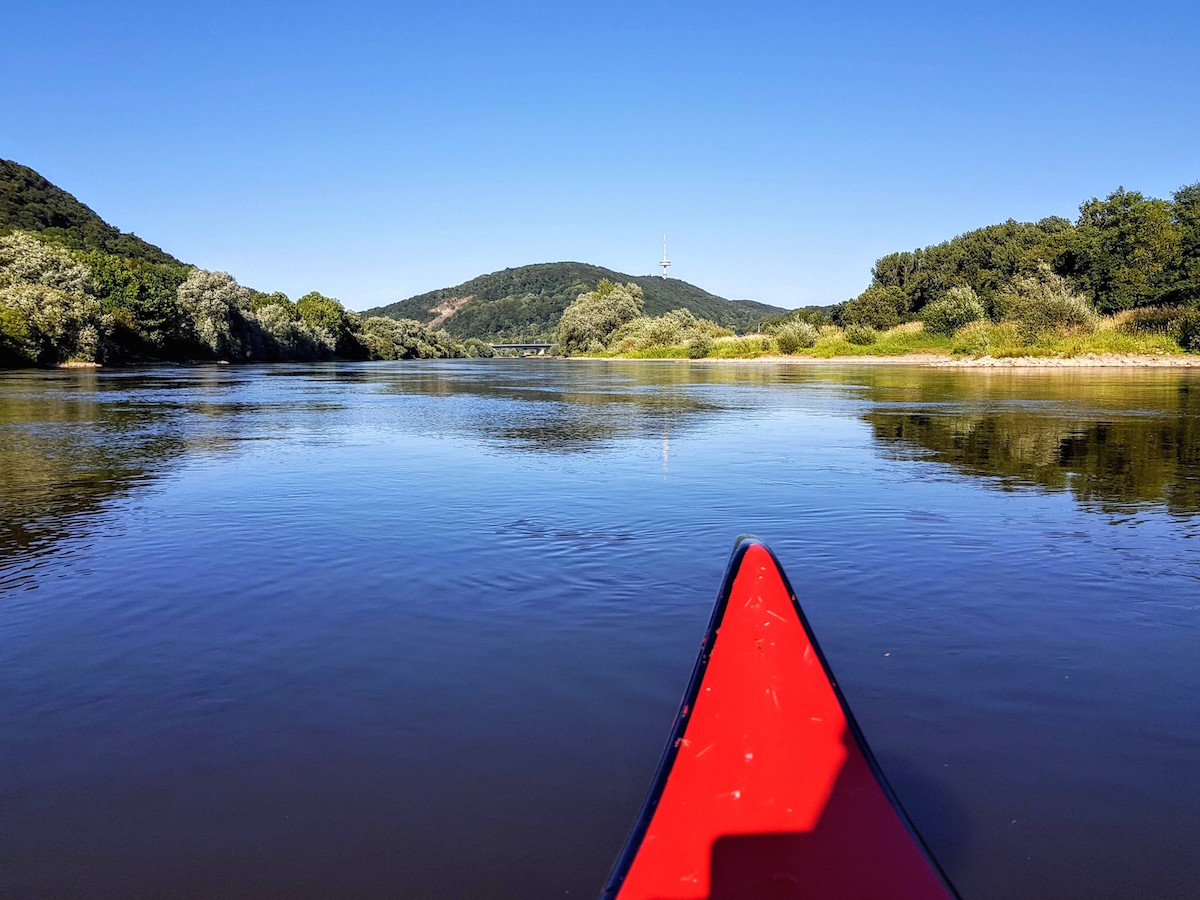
[937, 360]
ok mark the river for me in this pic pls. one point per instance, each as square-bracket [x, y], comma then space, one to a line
[420, 629]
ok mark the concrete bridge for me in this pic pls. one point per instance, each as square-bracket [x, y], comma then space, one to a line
[539, 349]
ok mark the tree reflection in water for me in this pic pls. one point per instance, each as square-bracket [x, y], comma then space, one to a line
[1115, 443]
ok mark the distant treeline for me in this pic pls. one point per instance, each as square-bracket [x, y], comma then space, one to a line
[1123, 278]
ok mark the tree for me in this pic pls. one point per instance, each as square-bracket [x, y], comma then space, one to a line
[1124, 250]
[1185, 273]
[878, 307]
[24, 259]
[588, 322]
[142, 297]
[326, 314]
[954, 309]
[210, 300]
[43, 325]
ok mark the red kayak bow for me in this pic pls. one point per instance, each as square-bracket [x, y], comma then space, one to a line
[767, 788]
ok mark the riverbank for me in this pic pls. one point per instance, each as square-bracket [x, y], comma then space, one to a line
[939, 360]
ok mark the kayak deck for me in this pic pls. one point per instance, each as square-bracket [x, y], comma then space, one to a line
[767, 788]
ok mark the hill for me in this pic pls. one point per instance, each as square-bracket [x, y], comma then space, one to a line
[527, 302]
[31, 203]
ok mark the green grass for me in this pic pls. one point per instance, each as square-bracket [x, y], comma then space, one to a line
[750, 346]
[997, 340]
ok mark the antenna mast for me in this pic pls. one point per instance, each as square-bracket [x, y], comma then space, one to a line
[665, 262]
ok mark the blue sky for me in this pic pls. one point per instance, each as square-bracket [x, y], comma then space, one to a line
[376, 150]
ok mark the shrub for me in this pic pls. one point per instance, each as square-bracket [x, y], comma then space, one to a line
[678, 328]
[1152, 320]
[699, 347]
[1044, 302]
[861, 335]
[954, 309]
[877, 307]
[1189, 331]
[477, 349]
[795, 336]
[1179, 322]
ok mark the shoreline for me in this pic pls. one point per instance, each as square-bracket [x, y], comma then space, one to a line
[941, 361]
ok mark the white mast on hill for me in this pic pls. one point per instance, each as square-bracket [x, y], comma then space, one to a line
[665, 262]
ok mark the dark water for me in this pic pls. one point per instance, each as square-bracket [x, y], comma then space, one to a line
[419, 630]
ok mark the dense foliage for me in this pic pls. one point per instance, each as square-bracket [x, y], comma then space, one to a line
[796, 335]
[1044, 302]
[951, 311]
[526, 303]
[62, 306]
[588, 323]
[1122, 252]
[879, 306]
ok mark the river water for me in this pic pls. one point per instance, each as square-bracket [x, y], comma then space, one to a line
[420, 629]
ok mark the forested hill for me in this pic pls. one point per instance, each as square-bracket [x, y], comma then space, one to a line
[31, 203]
[528, 301]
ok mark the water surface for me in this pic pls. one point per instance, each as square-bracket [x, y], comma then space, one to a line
[419, 629]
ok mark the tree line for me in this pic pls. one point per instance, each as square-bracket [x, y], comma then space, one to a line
[62, 304]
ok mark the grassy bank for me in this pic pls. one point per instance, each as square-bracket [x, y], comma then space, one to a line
[1112, 335]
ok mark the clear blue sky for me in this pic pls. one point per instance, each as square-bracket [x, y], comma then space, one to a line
[375, 150]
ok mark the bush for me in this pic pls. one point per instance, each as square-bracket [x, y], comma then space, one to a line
[699, 347]
[957, 307]
[1189, 331]
[676, 329]
[1179, 322]
[795, 336]
[877, 307]
[1044, 302]
[477, 349]
[1152, 320]
[861, 335]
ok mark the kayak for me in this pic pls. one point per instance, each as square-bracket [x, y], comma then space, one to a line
[767, 788]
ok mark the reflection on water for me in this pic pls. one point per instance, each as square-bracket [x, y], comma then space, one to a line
[419, 629]
[1112, 443]
[72, 442]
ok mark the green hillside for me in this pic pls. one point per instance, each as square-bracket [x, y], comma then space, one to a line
[31, 203]
[527, 302]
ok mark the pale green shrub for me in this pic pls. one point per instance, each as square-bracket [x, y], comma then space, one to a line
[861, 335]
[1044, 302]
[954, 309]
[699, 347]
[795, 336]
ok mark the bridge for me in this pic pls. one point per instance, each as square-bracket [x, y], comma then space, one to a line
[539, 349]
